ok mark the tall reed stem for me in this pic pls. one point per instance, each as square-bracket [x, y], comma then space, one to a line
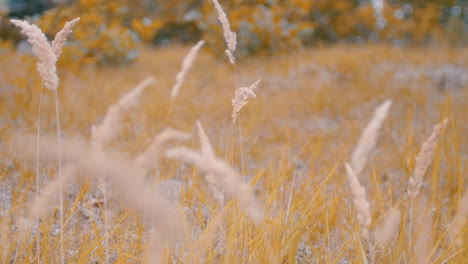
[59, 151]
[38, 248]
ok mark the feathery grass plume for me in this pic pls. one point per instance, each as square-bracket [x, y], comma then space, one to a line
[424, 159]
[460, 220]
[368, 138]
[186, 65]
[46, 67]
[41, 47]
[46, 53]
[229, 36]
[384, 233]
[106, 131]
[360, 202]
[224, 175]
[62, 35]
[116, 170]
[151, 156]
[240, 98]
[231, 57]
[207, 150]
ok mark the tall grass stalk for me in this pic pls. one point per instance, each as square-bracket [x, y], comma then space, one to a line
[38, 143]
[423, 161]
[48, 54]
[59, 151]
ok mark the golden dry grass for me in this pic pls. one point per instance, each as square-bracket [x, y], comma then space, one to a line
[290, 143]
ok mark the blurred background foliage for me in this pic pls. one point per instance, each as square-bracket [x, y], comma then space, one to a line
[112, 31]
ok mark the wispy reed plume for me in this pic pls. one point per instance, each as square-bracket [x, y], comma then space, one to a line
[109, 127]
[240, 98]
[224, 176]
[229, 36]
[384, 233]
[207, 151]
[62, 35]
[186, 66]
[41, 47]
[459, 221]
[424, 159]
[151, 156]
[206, 148]
[368, 138]
[46, 67]
[360, 202]
[46, 53]
[362, 207]
[103, 133]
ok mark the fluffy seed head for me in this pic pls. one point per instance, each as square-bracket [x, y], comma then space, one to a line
[186, 65]
[41, 47]
[368, 138]
[240, 98]
[62, 35]
[229, 36]
[106, 131]
[360, 202]
[424, 159]
[232, 60]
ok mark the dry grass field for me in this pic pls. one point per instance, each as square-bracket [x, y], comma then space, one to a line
[290, 144]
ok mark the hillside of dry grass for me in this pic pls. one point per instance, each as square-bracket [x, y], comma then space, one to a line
[290, 144]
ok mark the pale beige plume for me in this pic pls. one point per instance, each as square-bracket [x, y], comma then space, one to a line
[424, 159]
[241, 96]
[368, 138]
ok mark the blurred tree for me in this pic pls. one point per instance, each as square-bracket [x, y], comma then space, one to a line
[22, 8]
[111, 29]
